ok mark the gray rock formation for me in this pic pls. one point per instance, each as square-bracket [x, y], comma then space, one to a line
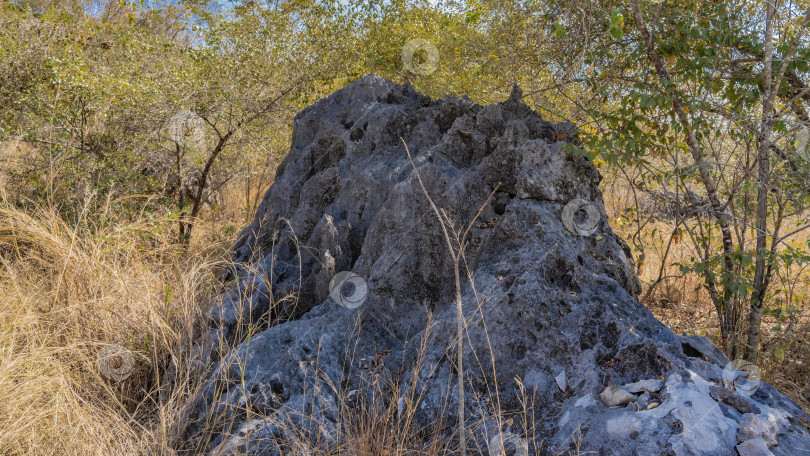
[546, 300]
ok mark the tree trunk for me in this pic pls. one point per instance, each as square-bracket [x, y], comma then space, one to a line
[763, 177]
[731, 312]
[198, 199]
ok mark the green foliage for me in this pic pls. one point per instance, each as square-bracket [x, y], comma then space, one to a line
[161, 108]
[95, 98]
[686, 111]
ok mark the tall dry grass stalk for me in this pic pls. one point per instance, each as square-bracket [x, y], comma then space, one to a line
[457, 254]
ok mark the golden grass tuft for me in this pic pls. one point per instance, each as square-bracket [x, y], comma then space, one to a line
[66, 292]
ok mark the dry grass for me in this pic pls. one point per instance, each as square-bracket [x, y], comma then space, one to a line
[67, 292]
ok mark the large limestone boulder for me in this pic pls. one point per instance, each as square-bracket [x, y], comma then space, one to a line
[559, 352]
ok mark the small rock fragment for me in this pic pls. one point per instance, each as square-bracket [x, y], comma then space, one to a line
[730, 412]
[614, 395]
[696, 346]
[643, 401]
[754, 447]
[755, 426]
[585, 401]
[653, 405]
[562, 381]
[650, 386]
[741, 403]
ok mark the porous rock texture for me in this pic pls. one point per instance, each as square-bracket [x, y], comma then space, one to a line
[545, 300]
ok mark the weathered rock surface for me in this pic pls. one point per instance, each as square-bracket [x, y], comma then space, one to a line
[546, 300]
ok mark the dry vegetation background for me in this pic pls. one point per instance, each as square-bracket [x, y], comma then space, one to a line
[681, 302]
[136, 140]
